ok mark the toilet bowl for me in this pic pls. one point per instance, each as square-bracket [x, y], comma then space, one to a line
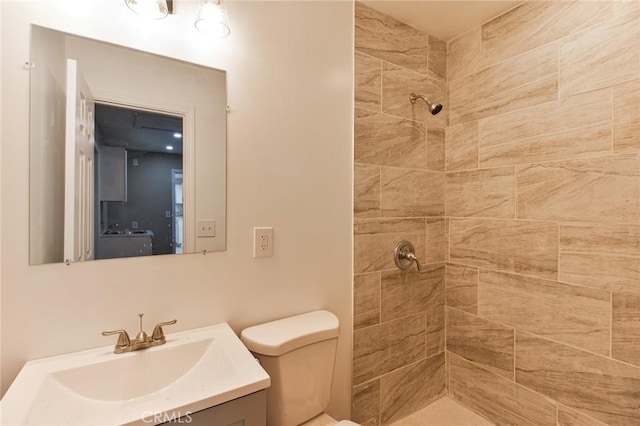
[298, 353]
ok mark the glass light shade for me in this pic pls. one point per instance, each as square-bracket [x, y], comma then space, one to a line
[212, 18]
[153, 9]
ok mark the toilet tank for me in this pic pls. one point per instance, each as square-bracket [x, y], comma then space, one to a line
[298, 353]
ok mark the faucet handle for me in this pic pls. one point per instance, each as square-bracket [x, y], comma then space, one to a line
[158, 333]
[123, 338]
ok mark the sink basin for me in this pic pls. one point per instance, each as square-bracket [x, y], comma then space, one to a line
[194, 370]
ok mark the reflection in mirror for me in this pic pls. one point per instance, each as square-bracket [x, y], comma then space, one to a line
[127, 152]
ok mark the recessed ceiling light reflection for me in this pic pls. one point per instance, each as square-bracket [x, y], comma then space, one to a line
[177, 135]
[169, 148]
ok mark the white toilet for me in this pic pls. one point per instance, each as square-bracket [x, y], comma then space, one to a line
[298, 353]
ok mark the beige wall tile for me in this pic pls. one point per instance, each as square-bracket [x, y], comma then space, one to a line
[368, 82]
[601, 256]
[569, 417]
[486, 343]
[435, 240]
[375, 240]
[463, 54]
[408, 389]
[379, 35]
[568, 128]
[496, 398]
[461, 284]
[578, 316]
[600, 57]
[404, 193]
[411, 292]
[398, 84]
[435, 193]
[437, 58]
[446, 240]
[389, 141]
[382, 348]
[598, 189]
[435, 148]
[625, 338]
[525, 247]
[482, 193]
[365, 403]
[435, 339]
[534, 24]
[523, 81]
[600, 387]
[626, 117]
[366, 190]
[366, 300]
[462, 147]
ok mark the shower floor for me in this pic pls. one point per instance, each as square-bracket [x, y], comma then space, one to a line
[443, 412]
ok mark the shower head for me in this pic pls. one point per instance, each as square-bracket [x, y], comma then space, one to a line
[433, 107]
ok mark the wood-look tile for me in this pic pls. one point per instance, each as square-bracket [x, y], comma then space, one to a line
[463, 54]
[436, 240]
[382, 348]
[600, 387]
[389, 141]
[446, 239]
[435, 339]
[534, 24]
[461, 283]
[436, 148]
[625, 329]
[411, 292]
[462, 147]
[398, 84]
[486, 343]
[375, 240]
[437, 58]
[366, 190]
[571, 127]
[365, 403]
[384, 37]
[481, 193]
[569, 417]
[523, 81]
[415, 386]
[496, 398]
[603, 56]
[366, 300]
[368, 82]
[524, 247]
[597, 189]
[626, 117]
[435, 193]
[605, 256]
[575, 315]
[404, 193]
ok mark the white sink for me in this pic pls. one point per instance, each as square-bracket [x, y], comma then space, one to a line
[194, 370]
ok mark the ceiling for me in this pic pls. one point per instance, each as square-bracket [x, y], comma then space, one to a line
[443, 19]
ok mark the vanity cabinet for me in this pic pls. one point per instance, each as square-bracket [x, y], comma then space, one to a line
[112, 175]
[250, 410]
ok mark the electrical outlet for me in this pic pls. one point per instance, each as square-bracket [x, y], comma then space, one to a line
[206, 228]
[262, 242]
[134, 224]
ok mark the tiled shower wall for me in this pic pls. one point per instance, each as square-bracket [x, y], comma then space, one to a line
[540, 228]
[543, 208]
[399, 362]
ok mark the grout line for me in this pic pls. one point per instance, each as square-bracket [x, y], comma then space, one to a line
[611, 324]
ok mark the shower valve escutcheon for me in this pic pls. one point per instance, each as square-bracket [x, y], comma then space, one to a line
[405, 255]
[142, 341]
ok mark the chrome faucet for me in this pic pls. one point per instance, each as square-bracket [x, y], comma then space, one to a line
[142, 341]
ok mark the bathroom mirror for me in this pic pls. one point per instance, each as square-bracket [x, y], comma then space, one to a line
[127, 152]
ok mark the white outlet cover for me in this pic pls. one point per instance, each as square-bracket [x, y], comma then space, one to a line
[206, 228]
[262, 242]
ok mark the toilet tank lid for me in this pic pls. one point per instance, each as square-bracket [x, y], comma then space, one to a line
[281, 336]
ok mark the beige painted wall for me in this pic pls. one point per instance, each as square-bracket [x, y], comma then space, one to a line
[289, 160]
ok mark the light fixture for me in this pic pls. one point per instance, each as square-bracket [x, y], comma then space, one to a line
[153, 9]
[169, 148]
[177, 135]
[212, 18]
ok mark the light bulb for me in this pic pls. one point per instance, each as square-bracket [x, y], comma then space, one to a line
[153, 9]
[212, 18]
